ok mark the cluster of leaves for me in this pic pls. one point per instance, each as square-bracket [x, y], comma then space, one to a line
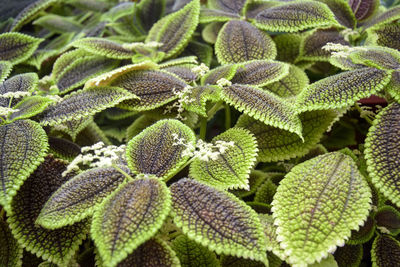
[223, 132]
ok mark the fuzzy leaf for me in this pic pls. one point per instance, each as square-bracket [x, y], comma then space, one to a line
[389, 15]
[139, 125]
[10, 250]
[104, 47]
[288, 46]
[58, 24]
[344, 63]
[29, 107]
[57, 246]
[17, 47]
[255, 180]
[363, 9]
[26, 82]
[388, 219]
[175, 30]
[377, 57]
[263, 106]
[63, 148]
[295, 16]
[148, 12]
[232, 6]
[314, 214]
[386, 35]
[385, 251]
[202, 51]
[214, 15]
[342, 90]
[75, 126]
[265, 192]
[342, 11]
[225, 71]
[183, 71]
[382, 152]
[66, 59]
[155, 151]
[232, 168]
[349, 255]
[23, 147]
[252, 8]
[239, 41]
[5, 69]
[200, 96]
[267, 221]
[84, 103]
[129, 217]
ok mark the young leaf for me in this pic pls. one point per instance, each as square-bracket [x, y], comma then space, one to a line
[103, 47]
[295, 16]
[79, 197]
[225, 71]
[26, 82]
[232, 168]
[385, 251]
[377, 57]
[314, 214]
[156, 151]
[17, 47]
[349, 255]
[200, 95]
[239, 41]
[175, 30]
[129, 217]
[84, 103]
[10, 250]
[363, 9]
[58, 24]
[29, 107]
[386, 35]
[23, 147]
[5, 69]
[57, 246]
[389, 15]
[232, 6]
[342, 11]
[217, 220]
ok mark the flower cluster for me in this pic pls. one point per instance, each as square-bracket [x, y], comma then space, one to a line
[200, 70]
[183, 98]
[341, 51]
[223, 82]
[16, 94]
[7, 111]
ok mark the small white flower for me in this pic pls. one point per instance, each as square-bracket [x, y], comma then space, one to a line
[224, 82]
[200, 70]
[16, 94]
[341, 51]
[7, 111]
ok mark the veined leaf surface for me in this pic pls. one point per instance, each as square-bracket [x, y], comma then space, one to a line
[363, 9]
[232, 6]
[385, 251]
[267, 221]
[26, 82]
[10, 250]
[5, 69]
[288, 46]
[63, 148]
[104, 47]
[389, 15]
[66, 59]
[349, 255]
[215, 15]
[225, 71]
[29, 107]
[342, 11]
[386, 35]
[393, 86]
[148, 12]
[58, 24]
[377, 57]
[17, 47]
[200, 95]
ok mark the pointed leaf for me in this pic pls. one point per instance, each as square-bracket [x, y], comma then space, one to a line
[386, 35]
[5, 69]
[29, 107]
[388, 220]
[389, 15]
[217, 220]
[225, 71]
[344, 63]
[342, 11]
[349, 255]
[252, 8]
[364, 9]
[58, 24]
[239, 41]
[265, 192]
[104, 47]
[75, 126]
[17, 47]
[288, 46]
[267, 221]
[23, 147]
[148, 12]
[385, 251]
[314, 214]
[63, 148]
[200, 96]
[377, 57]
[233, 6]
[10, 250]
[215, 15]
[364, 234]
[155, 150]
[255, 180]
[66, 59]
[26, 82]
[129, 217]
[202, 51]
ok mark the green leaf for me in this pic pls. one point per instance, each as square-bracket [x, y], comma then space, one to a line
[385, 35]
[192, 254]
[342, 11]
[23, 147]
[295, 16]
[84, 103]
[327, 262]
[10, 250]
[202, 51]
[388, 220]
[5, 70]
[148, 12]
[344, 63]
[139, 125]
[239, 41]
[129, 217]
[377, 57]
[263, 106]
[230, 261]
[252, 8]
[382, 152]
[265, 192]
[66, 59]
[342, 90]
[288, 46]
[103, 47]
[155, 150]
[364, 234]
[63, 148]
[385, 251]
[29, 107]
[364, 9]
[314, 214]
[120, 10]
[232, 6]
[389, 15]
[200, 96]
[175, 30]
[256, 178]
[349, 255]
[91, 5]
[58, 24]
[75, 126]
[183, 71]
[79, 197]
[267, 221]
[210, 31]
[225, 71]
[214, 15]
[26, 82]
[17, 47]
[57, 246]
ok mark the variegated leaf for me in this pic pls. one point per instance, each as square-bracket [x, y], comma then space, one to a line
[5, 69]
[364, 9]
[17, 47]
[232, 6]
[393, 87]
[10, 250]
[91, 5]
[377, 57]
[364, 234]
[215, 15]
[391, 14]
[58, 24]
[349, 255]
[26, 82]
[104, 47]
[256, 178]
[183, 71]
[252, 8]
[344, 63]
[267, 221]
[388, 220]
[200, 96]
[148, 12]
[66, 59]
[342, 11]
[63, 148]
[385, 251]
[226, 71]
[121, 10]
[29, 107]
[75, 126]
[231, 261]
[265, 192]
[386, 35]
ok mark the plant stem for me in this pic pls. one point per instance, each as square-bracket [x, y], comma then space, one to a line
[365, 117]
[122, 172]
[227, 117]
[214, 109]
[203, 129]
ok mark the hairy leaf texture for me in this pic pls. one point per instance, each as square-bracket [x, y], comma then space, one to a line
[215, 15]
[349, 255]
[386, 35]
[342, 11]
[232, 168]
[175, 30]
[295, 16]
[316, 213]
[66, 59]
[22, 148]
[388, 219]
[183, 71]
[201, 95]
[10, 250]
[225, 71]
[217, 220]
[343, 89]
[232, 6]
[382, 152]
[389, 15]
[129, 217]
[58, 24]
[16, 47]
[239, 41]
[394, 85]
[79, 197]
[252, 8]
[364, 9]
[5, 69]
[75, 126]
[377, 57]
[267, 221]
[26, 82]
[63, 148]
[155, 150]
[263, 106]
[385, 251]
[103, 47]
[288, 46]
[148, 12]
[84, 103]
[29, 107]
[265, 192]
[344, 63]
[57, 246]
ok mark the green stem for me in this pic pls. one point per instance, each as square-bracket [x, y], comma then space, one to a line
[180, 168]
[360, 110]
[203, 128]
[214, 109]
[227, 117]
[10, 102]
[122, 172]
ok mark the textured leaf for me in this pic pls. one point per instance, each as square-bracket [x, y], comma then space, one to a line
[386, 35]
[232, 168]
[10, 251]
[58, 24]
[265, 192]
[364, 234]
[148, 12]
[104, 47]
[252, 8]
[263, 106]
[363, 9]
[202, 51]
[349, 255]
[217, 220]
[377, 57]
[210, 31]
[288, 46]
[388, 220]
[23, 147]
[79, 197]
[154, 150]
[267, 221]
[66, 59]
[232, 6]
[200, 96]
[382, 152]
[57, 246]
[393, 86]
[91, 5]
[389, 15]
[239, 41]
[5, 69]
[230, 261]
[26, 82]
[183, 71]
[342, 11]
[342, 90]
[344, 63]
[256, 178]
[175, 30]
[90, 135]
[295, 16]
[29, 107]
[314, 214]
[121, 10]
[129, 217]
[225, 71]
[63, 148]
[75, 126]
[215, 15]
[139, 125]
[17, 47]
[385, 251]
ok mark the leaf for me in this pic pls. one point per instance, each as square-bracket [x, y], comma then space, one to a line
[29, 107]
[344, 63]
[66, 59]
[263, 106]
[10, 252]
[314, 214]
[363, 9]
[225, 71]
[256, 178]
[63, 148]
[120, 10]
[103, 47]
[202, 51]
[17, 47]
[183, 71]
[58, 24]
[252, 8]
[217, 220]
[84, 103]
[265, 192]
[75, 126]
[155, 150]
[288, 46]
[5, 70]
[389, 15]
[210, 31]
[377, 57]
[232, 6]
[342, 11]
[388, 220]
[175, 30]
[26, 82]
[129, 217]
[270, 232]
[23, 147]
[349, 255]
[385, 251]
[139, 125]
[385, 35]
[364, 234]
[214, 15]
[239, 41]
[148, 12]
[200, 96]
[230, 261]
[295, 16]
[57, 246]
[382, 155]
[342, 90]
[91, 5]
[326, 262]
[231, 170]
[393, 86]
[79, 197]
[192, 254]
